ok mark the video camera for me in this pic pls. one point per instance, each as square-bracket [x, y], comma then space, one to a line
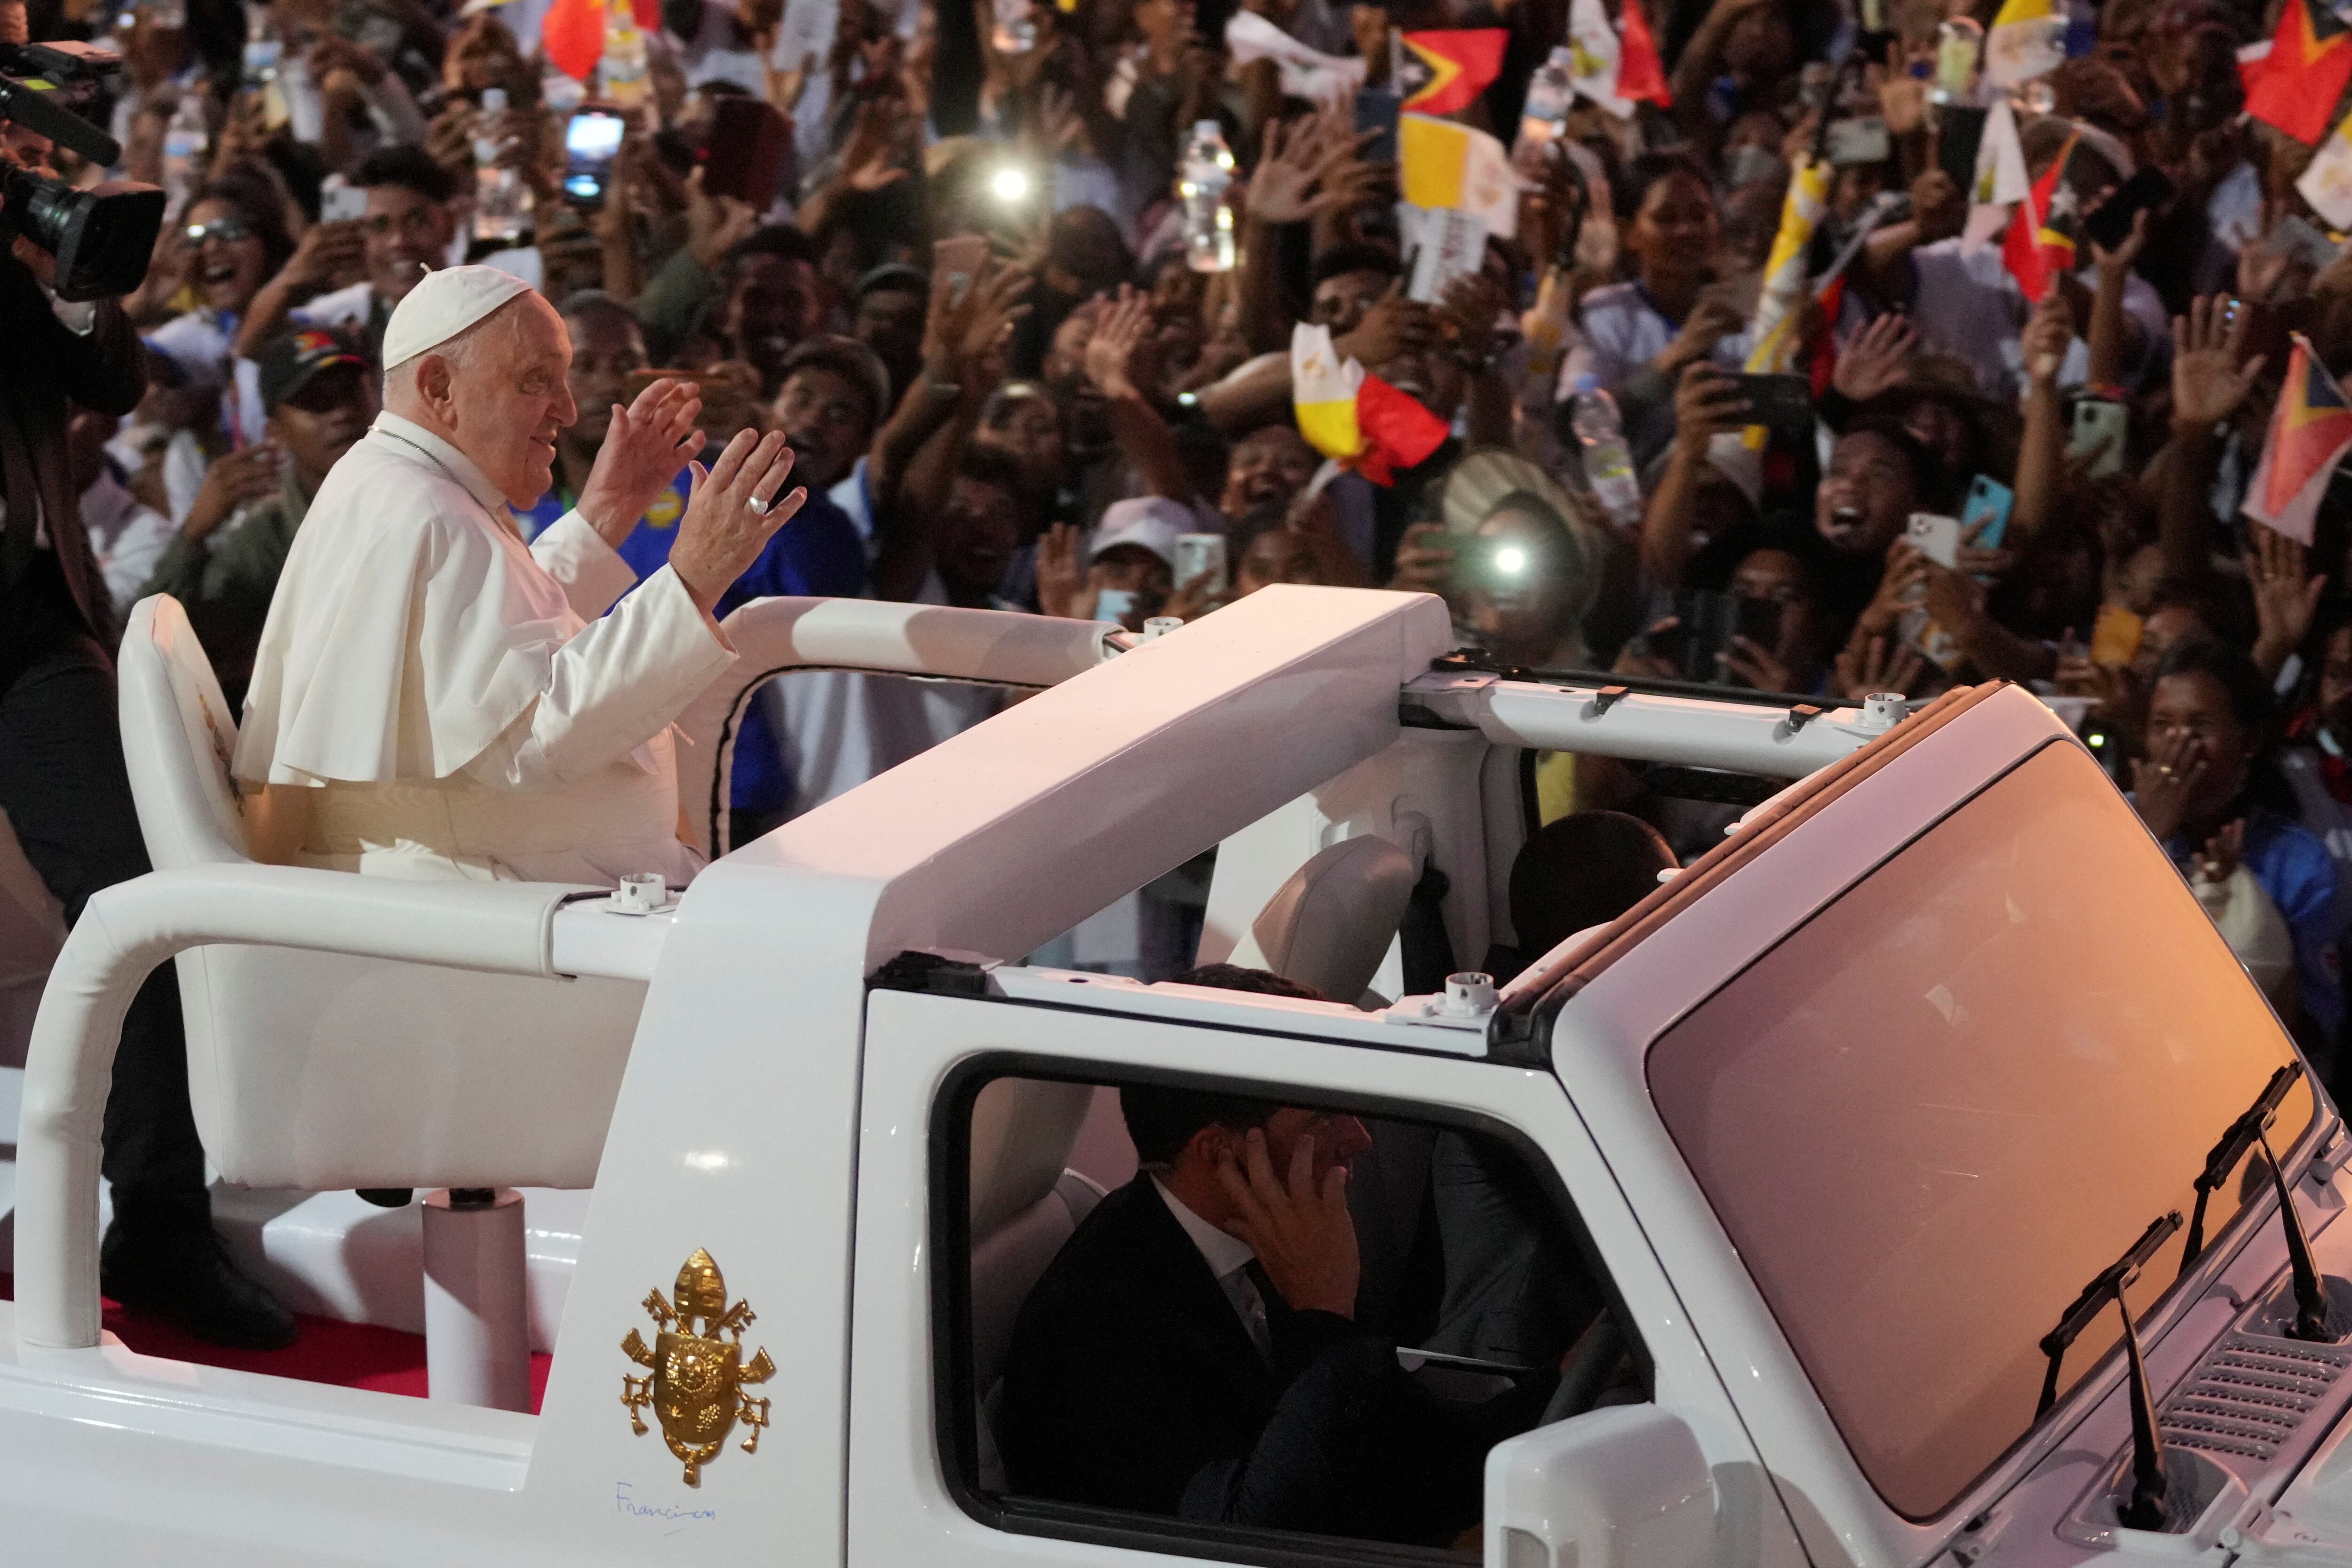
[102, 238]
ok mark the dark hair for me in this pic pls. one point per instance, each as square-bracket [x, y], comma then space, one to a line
[1354, 256]
[1584, 870]
[408, 166]
[850, 360]
[994, 465]
[1159, 1120]
[2228, 615]
[259, 208]
[594, 302]
[1927, 478]
[2241, 680]
[1648, 169]
[775, 239]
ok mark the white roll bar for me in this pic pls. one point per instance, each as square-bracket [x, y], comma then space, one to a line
[123, 933]
[1786, 742]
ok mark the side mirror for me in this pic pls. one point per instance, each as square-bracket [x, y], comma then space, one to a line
[1624, 1487]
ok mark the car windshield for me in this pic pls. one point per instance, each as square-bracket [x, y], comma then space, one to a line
[1935, 1110]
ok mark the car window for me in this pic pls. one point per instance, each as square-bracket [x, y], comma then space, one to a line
[1128, 1361]
[1933, 1113]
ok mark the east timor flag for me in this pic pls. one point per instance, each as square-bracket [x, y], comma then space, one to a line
[1452, 68]
[2295, 85]
[2310, 429]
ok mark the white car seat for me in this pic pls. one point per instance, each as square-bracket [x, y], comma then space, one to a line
[319, 1072]
[1331, 924]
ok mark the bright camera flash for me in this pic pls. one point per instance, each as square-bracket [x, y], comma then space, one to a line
[1511, 559]
[1011, 184]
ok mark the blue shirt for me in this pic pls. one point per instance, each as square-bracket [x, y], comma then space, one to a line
[818, 553]
[2290, 865]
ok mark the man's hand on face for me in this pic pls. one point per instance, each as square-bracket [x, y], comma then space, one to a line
[721, 535]
[1304, 1236]
[645, 446]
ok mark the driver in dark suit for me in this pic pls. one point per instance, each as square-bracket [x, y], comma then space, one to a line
[1192, 1351]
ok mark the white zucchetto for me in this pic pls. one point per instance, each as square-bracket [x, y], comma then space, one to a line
[442, 305]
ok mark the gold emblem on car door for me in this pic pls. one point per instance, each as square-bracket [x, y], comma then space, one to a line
[696, 1387]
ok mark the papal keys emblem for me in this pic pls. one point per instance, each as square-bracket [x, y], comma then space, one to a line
[697, 1385]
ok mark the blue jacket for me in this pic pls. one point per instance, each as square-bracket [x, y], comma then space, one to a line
[2290, 865]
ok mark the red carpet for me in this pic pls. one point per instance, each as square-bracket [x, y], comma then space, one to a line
[355, 1356]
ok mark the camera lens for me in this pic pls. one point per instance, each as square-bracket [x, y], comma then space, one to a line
[102, 238]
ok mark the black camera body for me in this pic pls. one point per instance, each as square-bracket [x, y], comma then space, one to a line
[102, 238]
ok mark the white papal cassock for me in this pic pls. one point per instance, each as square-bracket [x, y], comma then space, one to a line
[449, 692]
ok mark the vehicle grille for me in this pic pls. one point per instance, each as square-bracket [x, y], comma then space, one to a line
[2252, 1394]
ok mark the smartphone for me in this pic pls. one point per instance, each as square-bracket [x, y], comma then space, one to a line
[2115, 637]
[960, 258]
[1783, 404]
[591, 139]
[1114, 604]
[1859, 141]
[1376, 109]
[2145, 192]
[1960, 127]
[744, 157]
[1936, 536]
[340, 202]
[1706, 623]
[1202, 553]
[1989, 504]
[2099, 424]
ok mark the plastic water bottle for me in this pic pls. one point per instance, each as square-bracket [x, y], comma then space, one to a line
[1208, 171]
[262, 48]
[185, 140]
[1608, 465]
[624, 66]
[1015, 27]
[1549, 92]
[501, 201]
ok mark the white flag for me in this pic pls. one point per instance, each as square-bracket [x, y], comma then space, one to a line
[2326, 183]
[1592, 56]
[2001, 178]
[1305, 73]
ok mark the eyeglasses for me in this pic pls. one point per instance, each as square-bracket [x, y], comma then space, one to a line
[228, 231]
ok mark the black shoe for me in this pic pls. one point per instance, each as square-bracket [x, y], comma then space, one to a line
[186, 1277]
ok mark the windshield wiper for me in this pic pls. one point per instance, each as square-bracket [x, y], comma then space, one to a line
[2144, 1508]
[2249, 1130]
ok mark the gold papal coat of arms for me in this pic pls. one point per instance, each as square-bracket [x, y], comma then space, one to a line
[696, 1387]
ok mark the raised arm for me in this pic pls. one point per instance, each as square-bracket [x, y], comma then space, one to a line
[2209, 386]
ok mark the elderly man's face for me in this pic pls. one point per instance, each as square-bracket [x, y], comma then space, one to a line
[513, 397]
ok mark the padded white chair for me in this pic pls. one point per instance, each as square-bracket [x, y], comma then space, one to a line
[319, 1072]
[1329, 925]
[32, 929]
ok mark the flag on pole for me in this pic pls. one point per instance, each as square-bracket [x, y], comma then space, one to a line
[2310, 431]
[2028, 39]
[1443, 164]
[1592, 56]
[2295, 86]
[1447, 70]
[1772, 339]
[1353, 416]
[2327, 184]
[2000, 180]
[2040, 240]
[1640, 75]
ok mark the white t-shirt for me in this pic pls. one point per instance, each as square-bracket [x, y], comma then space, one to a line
[1965, 303]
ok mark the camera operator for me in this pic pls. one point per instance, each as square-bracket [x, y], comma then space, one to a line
[62, 781]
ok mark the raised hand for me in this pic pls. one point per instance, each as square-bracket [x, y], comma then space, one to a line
[232, 481]
[1876, 361]
[1286, 168]
[714, 225]
[2223, 852]
[1061, 575]
[1880, 662]
[734, 510]
[647, 443]
[2124, 257]
[2209, 385]
[1302, 1234]
[2286, 594]
[1391, 327]
[1708, 403]
[2164, 780]
[1114, 353]
[1425, 560]
[2048, 333]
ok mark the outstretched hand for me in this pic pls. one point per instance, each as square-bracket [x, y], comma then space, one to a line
[722, 532]
[647, 444]
[2207, 383]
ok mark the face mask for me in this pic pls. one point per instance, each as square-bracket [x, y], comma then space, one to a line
[1747, 165]
[1114, 604]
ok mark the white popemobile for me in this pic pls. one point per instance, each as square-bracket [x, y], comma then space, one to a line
[1917, 1138]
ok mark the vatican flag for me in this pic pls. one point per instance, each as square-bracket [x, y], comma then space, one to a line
[2027, 40]
[1443, 164]
[1772, 338]
[1323, 388]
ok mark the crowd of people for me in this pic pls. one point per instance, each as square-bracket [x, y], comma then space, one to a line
[969, 304]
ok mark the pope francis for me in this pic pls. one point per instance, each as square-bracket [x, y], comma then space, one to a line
[433, 698]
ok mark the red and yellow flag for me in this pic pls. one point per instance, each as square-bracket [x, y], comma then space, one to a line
[2040, 240]
[1353, 416]
[1640, 75]
[2295, 85]
[1460, 64]
[2310, 431]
